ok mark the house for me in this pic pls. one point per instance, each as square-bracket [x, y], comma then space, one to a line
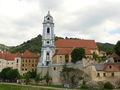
[23, 62]
[26, 62]
[104, 72]
[7, 60]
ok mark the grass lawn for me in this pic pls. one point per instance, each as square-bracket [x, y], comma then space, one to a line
[17, 87]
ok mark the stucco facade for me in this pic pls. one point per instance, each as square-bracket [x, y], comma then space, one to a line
[106, 72]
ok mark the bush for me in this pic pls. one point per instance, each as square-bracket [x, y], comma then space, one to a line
[108, 85]
[84, 86]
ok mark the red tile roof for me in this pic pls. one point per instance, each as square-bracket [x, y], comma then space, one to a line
[70, 43]
[27, 54]
[87, 51]
[65, 46]
[63, 51]
[114, 55]
[9, 57]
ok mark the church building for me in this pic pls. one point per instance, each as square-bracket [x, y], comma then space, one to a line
[54, 54]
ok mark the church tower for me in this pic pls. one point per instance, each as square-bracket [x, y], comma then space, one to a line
[48, 48]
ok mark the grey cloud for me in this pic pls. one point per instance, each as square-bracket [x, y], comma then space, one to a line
[94, 16]
[50, 4]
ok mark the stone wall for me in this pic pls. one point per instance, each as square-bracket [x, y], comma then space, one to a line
[55, 70]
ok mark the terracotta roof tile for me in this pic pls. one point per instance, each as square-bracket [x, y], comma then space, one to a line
[27, 54]
[70, 43]
[63, 51]
[7, 56]
[114, 55]
[10, 57]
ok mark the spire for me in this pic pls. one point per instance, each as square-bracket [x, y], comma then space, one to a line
[48, 13]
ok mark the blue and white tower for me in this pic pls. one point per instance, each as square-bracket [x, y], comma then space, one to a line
[48, 48]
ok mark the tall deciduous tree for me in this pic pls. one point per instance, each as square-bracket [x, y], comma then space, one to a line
[9, 74]
[38, 78]
[117, 48]
[77, 54]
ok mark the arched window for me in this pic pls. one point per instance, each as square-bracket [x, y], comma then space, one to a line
[48, 42]
[48, 30]
[47, 53]
[48, 56]
[48, 18]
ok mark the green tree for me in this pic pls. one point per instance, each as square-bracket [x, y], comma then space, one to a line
[32, 73]
[9, 74]
[109, 52]
[12, 75]
[47, 78]
[108, 85]
[77, 54]
[117, 48]
[38, 78]
[95, 56]
[27, 78]
[84, 86]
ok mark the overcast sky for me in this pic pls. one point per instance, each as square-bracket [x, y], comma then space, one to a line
[21, 20]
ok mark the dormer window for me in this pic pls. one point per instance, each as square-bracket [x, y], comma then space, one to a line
[48, 30]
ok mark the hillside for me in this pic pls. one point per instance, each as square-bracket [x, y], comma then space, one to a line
[4, 47]
[107, 47]
[34, 45]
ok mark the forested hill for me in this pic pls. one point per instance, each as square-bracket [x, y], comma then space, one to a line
[34, 45]
[107, 47]
[4, 47]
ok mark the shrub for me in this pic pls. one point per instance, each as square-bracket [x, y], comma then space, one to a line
[84, 86]
[108, 85]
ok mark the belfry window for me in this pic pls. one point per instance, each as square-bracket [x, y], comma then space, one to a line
[48, 18]
[47, 53]
[48, 42]
[48, 30]
[47, 56]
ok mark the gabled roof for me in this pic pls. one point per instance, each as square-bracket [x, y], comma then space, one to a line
[115, 67]
[70, 43]
[114, 55]
[7, 56]
[10, 57]
[28, 54]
